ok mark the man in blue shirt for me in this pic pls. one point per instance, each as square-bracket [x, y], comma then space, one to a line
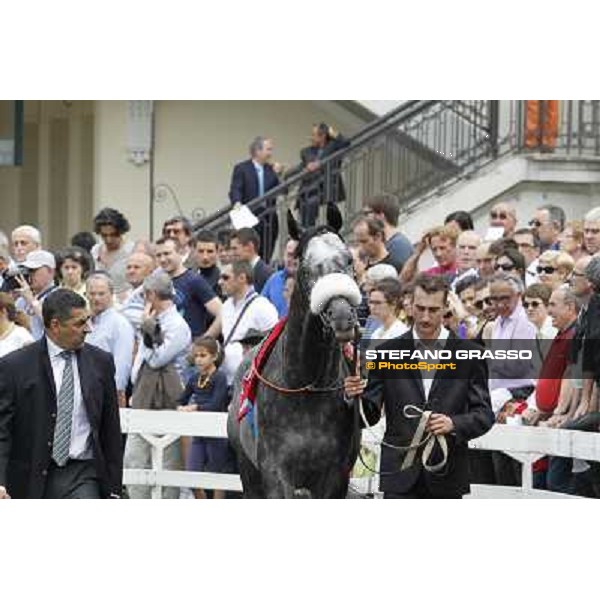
[386, 209]
[275, 285]
[111, 331]
[194, 298]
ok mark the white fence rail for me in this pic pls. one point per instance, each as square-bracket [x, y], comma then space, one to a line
[525, 444]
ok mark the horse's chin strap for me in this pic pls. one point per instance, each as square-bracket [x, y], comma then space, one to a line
[420, 438]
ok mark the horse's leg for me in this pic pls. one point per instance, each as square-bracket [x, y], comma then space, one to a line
[251, 478]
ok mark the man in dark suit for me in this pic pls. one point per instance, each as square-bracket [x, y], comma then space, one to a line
[244, 246]
[459, 403]
[325, 141]
[253, 178]
[60, 435]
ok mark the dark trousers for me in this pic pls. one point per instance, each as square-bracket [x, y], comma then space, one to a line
[76, 480]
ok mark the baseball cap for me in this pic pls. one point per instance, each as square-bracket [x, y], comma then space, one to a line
[39, 258]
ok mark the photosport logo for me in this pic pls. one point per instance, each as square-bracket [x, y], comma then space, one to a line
[400, 358]
[435, 360]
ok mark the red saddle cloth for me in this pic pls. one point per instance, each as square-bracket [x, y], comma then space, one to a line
[250, 381]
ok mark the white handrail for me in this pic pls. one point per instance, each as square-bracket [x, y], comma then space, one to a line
[525, 444]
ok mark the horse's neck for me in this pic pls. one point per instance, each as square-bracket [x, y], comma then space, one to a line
[311, 353]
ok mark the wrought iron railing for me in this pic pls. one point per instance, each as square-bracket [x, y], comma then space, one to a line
[406, 152]
[421, 148]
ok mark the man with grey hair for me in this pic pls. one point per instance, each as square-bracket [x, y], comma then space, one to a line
[591, 230]
[511, 381]
[251, 179]
[111, 331]
[25, 239]
[547, 224]
[158, 365]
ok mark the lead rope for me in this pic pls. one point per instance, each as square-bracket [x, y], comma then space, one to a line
[420, 438]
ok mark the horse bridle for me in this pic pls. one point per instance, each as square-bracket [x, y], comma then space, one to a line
[326, 325]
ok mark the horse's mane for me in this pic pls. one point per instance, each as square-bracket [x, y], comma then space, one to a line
[309, 234]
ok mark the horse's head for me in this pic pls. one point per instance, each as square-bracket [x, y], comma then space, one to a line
[325, 275]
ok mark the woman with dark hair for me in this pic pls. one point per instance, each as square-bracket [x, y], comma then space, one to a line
[112, 252]
[14, 326]
[461, 219]
[511, 262]
[72, 267]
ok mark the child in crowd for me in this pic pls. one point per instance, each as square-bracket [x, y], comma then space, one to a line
[206, 390]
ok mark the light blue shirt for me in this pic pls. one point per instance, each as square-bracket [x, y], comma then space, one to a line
[177, 338]
[80, 448]
[36, 324]
[112, 332]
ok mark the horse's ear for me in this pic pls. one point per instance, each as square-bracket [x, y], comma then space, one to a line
[334, 217]
[294, 230]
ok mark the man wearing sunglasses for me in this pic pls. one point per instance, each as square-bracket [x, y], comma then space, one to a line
[547, 224]
[504, 215]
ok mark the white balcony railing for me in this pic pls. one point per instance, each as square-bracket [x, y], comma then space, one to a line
[525, 444]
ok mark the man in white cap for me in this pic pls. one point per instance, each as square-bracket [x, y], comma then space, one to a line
[35, 287]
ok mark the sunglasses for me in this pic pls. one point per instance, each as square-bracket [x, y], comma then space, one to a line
[505, 266]
[498, 215]
[448, 315]
[535, 223]
[533, 304]
[479, 303]
[547, 270]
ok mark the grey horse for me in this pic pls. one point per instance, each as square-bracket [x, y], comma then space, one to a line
[306, 436]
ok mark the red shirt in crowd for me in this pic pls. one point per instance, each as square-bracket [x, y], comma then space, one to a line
[441, 270]
[553, 368]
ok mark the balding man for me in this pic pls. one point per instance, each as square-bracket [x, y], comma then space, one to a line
[139, 266]
[25, 239]
[504, 215]
[466, 256]
[553, 394]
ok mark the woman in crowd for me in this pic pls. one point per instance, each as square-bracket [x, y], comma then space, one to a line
[465, 290]
[111, 254]
[384, 304]
[206, 390]
[511, 262]
[73, 265]
[571, 240]
[14, 326]
[554, 268]
[485, 310]
[535, 304]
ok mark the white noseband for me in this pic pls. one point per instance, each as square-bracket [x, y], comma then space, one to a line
[330, 286]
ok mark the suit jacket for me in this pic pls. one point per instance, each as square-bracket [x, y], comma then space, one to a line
[28, 417]
[260, 274]
[466, 400]
[313, 185]
[244, 182]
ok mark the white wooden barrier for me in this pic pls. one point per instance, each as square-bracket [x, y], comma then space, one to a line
[525, 444]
